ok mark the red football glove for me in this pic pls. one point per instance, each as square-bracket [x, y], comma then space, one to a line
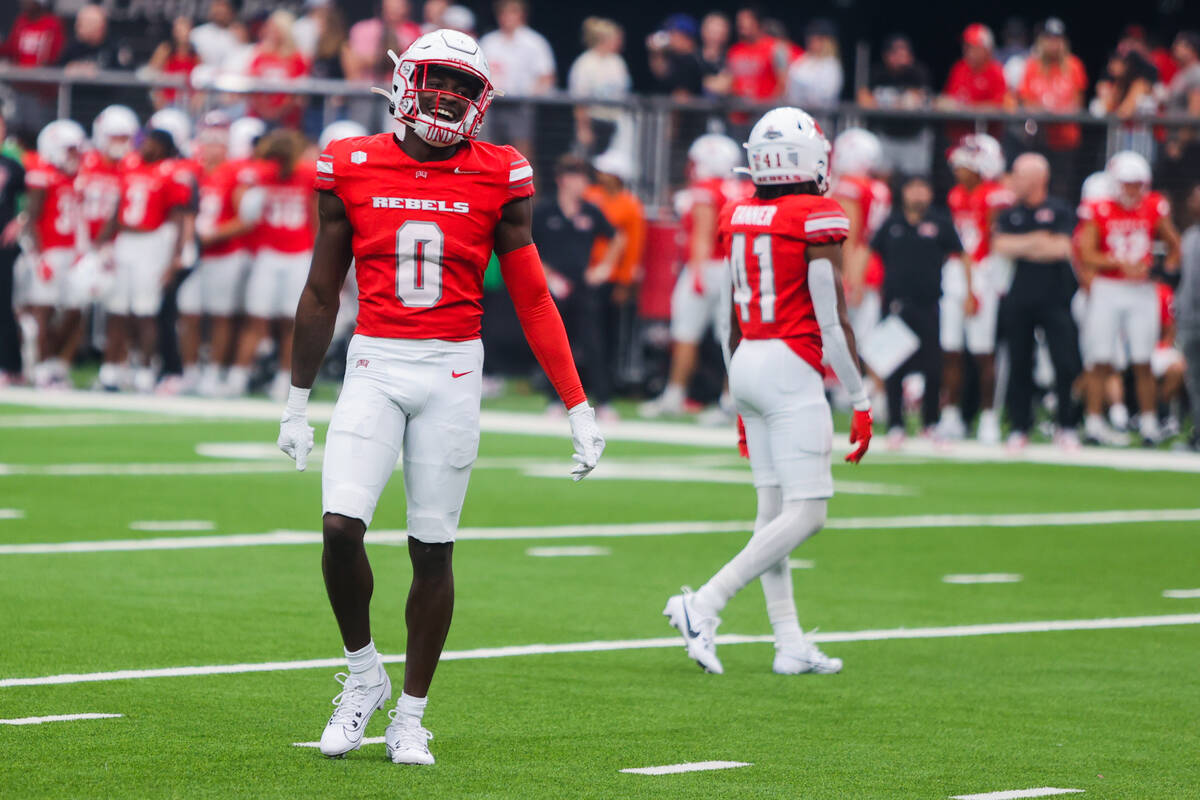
[697, 281]
[860, 434]
[743, 448]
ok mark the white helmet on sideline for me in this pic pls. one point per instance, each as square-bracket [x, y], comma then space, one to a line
[787, 146]
[60, 144]
[449, 50]
[1098, 186]
[856, 151]
[243, 133]
[113, 124]
[1129, 167]
[342, 129]
[176, 123]
[714, 155]
[979, 153]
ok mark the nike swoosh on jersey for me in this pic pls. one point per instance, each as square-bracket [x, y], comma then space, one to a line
[454, 374]
[461, 171]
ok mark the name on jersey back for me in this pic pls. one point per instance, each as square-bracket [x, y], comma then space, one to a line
[758, 216]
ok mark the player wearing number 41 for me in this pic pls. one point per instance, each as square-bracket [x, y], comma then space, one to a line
[420, 212]
[785, 255]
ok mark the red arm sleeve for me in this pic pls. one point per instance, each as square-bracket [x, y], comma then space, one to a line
[543, 327]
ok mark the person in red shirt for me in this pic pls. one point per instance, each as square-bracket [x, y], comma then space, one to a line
[36, 39]
[970, 303]
[176, 56]
[976, 81]
[1054, 80]
[420, 213]
[757, 63]
[53, 247]
[789, 315]
[99, 181]
[277, 58]
[1116, 247]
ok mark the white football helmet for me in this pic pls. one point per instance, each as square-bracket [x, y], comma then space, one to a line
[1129, 167]
[788, 146]
[714, 155]
[449, 50]
[60, 144]
[113, 131]
[176, 123]
[1098, 186]
[979, 153]
[342, 129]
[856, 151]
[243, 133]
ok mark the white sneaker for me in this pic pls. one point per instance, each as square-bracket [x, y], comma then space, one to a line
[407, 743]
[699, 632]
[355, 704]
[1096, 432]
[895, 438]
[1017, 442]
[806, 657]
[144, 380]
[1067, 439]
[951, 426]
[988, 431]
[668, 404]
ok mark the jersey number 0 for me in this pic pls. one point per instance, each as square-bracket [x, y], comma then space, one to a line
[419, 264]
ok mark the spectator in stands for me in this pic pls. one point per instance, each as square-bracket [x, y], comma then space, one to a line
[756, 63]
[91, 47]
[714, 42]
[176, 56]
[35, 40]
[599, 72]
[1180, 166]
[370, 39]
[1013, 50]
[216, 39]
[459, 18]
[523, 66]
[976, 81]
[276, 58]
[815, 78]
[1054, 81]
[307, 29]
[433, 13]
[678, 68]
[1187, 310]
[12, 187]
[1127, 90]
[899, 81]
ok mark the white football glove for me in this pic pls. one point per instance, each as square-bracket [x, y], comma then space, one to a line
[295, 434]
[589, 444]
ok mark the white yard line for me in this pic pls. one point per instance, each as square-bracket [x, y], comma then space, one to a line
[1016, 794]
[173, 525]
[11, 513]
[984, 577]
[801, 563]
[695, 766]
[56, 718]
[555, 552]
[987, 629]
[149, 469]
[1182, 594]
[84, 420]
[868, 524]
[366, 741]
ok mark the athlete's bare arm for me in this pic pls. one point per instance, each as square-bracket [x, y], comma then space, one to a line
[515, 229]
[317, 311]
[1089, 249]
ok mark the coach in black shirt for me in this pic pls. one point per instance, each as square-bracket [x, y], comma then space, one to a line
[1036, 234]
[12, 186]
[914, 242]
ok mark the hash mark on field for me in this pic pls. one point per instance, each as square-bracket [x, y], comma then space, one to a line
[1016, 794]
[553, 552]
[56, 718]
[801, 563]
[695, 766]
[985, 577]
[989, 629]
[11, 513]
[173, 525]
[1182, 594]
[368, 740]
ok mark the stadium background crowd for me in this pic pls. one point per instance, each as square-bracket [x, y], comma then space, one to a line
[607, 226]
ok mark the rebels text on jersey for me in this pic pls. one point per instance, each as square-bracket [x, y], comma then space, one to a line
[767, 242]
[423, 230]
[99, 187]
[58, 225]
[1126, 234]
[715, 192]
[973, 211]
[287, 224]
[149, 192]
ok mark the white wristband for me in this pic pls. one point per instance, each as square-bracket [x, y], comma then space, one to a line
[297, 401]
[578, 409]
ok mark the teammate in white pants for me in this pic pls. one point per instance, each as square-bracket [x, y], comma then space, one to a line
[785, 255]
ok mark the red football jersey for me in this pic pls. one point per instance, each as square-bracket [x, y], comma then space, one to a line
[58, 224]
[287, 224]
[1127, 234]
[423, 230]
[217, 207]
[99, 187]
[767, 241]
[150, 191]
[973, 211]
[874, 199]
[715, 192]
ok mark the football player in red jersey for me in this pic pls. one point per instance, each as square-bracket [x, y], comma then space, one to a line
[420, 212]
[1116, 247]
[52, 247]
[99, 181]
[785, 256]
[695, 302]
[970, 304]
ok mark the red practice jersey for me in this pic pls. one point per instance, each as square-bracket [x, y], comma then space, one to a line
[767, 242]
[1126, 234]
[874, 200]
[287, 224]
[58, 225]
[99, 187]
[973, 211]
[423, 230]
[715, 192]
[217, 206]
[150, 191]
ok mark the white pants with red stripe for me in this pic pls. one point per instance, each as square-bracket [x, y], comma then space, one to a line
[694, 312]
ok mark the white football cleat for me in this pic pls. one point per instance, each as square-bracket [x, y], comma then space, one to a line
[988, 430]
[407, 743]
[699, 631]
[951, 427]
[806, 657]
[355, 705]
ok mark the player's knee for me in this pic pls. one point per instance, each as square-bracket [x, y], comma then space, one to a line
[429, 559]
[342, 535]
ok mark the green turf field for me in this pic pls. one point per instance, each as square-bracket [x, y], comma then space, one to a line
[1113, 711]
